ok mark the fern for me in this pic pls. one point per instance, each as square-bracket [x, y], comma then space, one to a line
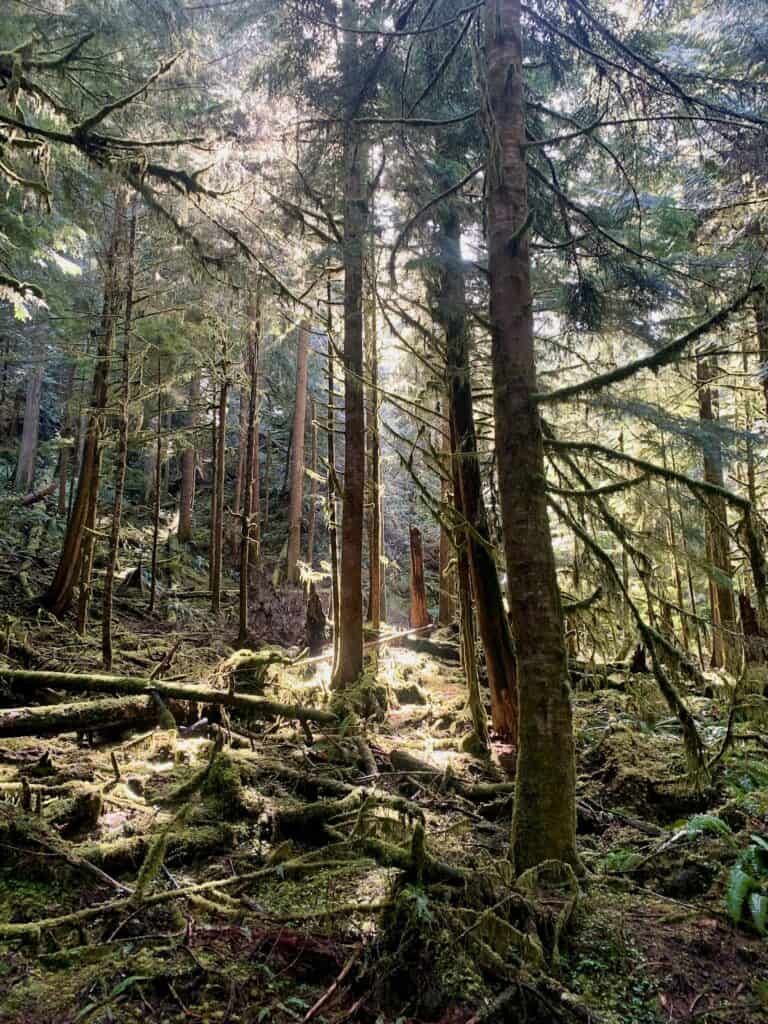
[746, 898]
[707, 823]
[740, 885]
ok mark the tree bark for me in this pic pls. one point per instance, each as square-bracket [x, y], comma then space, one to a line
[419, 616]
[58, 598]
[25, 468]
[761, 328]
[65, 455]
[331, 488]
[544, 825]
[122, 450]
[312, 490]
[189, 468]
[218, 493]
[447, 606]
[250, 516]
[56, 719]
[725, 643]
[374, 452]
[158, 474]
[495, 632]
[349, 663]
[297, 463]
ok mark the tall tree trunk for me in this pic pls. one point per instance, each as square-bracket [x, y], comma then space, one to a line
[242, 445]
[466, 618]
[297, 463]
[349, 664]
[122, 450]
[58, 598]
[267, 479]
[25, 468]
[374, 455]
[761, 328]
[495, 632]
[214, 531]
[725, 644]
[157, 488]
[221, 452]
[312, 490]
[331, 487]
[544, 825]
[250, 515]
[189, 467]
[447, 606]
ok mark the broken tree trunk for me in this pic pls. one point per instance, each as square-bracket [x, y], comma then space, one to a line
[419, 615]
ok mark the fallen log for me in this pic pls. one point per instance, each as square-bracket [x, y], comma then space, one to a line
[184, 846]
[55, 719]
[94, 682]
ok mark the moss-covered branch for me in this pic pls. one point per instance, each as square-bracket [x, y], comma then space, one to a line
[666, 354]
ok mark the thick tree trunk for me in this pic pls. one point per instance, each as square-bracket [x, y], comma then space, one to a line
[725, 641]
[419, 616]
[349, 663]
[122, 450]
[250, 516]
[495, 632]
[25, 468]
[189, 468]
[544, 826]
[297, 463]
[58, 598]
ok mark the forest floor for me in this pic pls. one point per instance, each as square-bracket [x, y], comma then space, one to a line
[258, 870]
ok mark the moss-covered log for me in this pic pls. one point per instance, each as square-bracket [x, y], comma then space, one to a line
[94, 682]
[183, 847]
[55, 719]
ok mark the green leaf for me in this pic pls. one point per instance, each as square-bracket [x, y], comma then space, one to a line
[707, 823]
[758, 907]
[740, 884]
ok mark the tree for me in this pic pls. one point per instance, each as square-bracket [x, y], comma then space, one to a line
[544, 826]
[297, 456]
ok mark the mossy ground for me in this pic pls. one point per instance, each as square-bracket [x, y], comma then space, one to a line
[651, 941]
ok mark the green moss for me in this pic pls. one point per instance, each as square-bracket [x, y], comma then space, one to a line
[223, 789]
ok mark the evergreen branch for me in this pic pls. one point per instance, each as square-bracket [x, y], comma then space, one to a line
[84, 127]
[593, 448]
[592, 492]
[666, 354]
[406, 230]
